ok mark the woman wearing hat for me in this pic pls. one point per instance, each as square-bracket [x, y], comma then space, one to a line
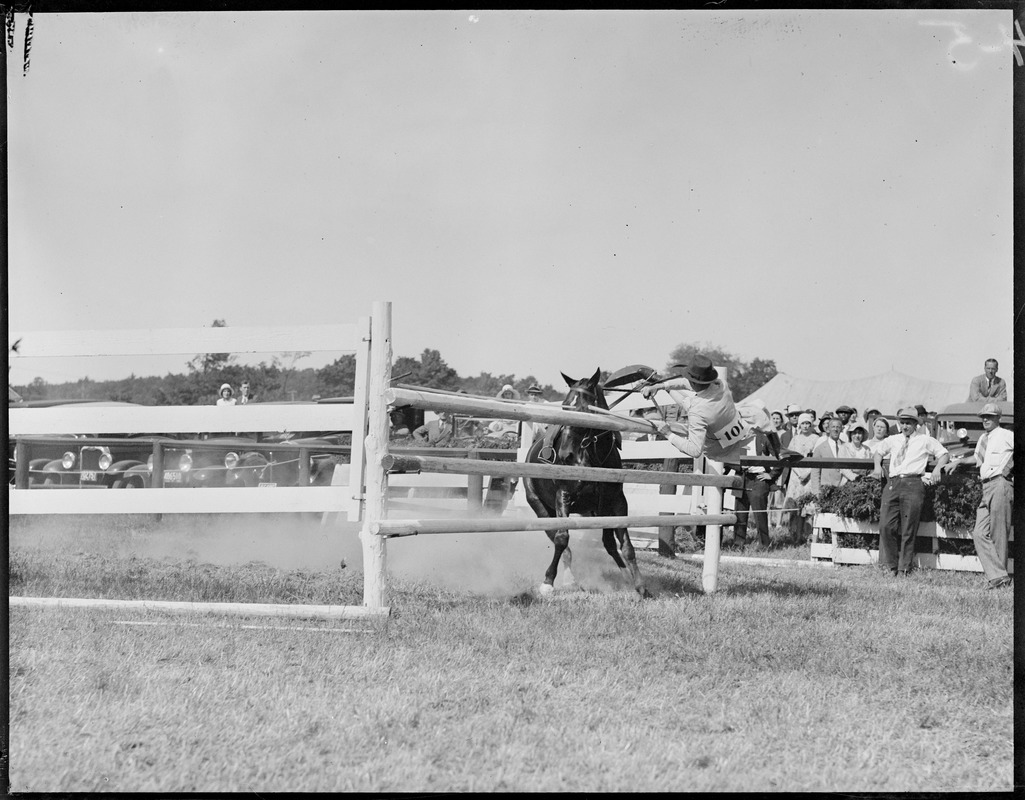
[716, 427]
[226, 395]
[855, 448]
[801, 480]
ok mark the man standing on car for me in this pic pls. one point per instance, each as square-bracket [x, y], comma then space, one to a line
[901, 506]
[995, 456]
[987, 386]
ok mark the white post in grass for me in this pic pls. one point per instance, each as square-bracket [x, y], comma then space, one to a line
[713, 533]
[375, 589]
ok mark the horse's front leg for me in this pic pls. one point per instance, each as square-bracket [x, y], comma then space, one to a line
[627, 562]
[560, 538]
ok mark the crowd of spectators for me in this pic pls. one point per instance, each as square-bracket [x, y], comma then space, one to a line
[907, 446]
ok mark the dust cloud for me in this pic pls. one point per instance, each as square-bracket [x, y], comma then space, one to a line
[492, 564]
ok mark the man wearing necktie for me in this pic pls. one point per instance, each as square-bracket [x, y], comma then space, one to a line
[987, 386]
[901, 505]
[829, 448]
[994, 455]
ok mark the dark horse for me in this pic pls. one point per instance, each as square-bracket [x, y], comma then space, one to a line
[581, 447]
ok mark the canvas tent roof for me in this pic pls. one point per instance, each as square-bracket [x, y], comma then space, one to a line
[888, 392]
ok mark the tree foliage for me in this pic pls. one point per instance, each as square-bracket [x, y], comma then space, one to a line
[279, 380]
[743, 377]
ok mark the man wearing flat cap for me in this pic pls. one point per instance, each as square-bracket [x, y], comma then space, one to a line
[994, 454]
[716, 427]
[844, 414]
[901, 506]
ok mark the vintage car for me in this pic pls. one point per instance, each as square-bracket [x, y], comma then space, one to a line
[97, 463]
[191, 462]
[279, 464]
[958, 426]
[90, 461]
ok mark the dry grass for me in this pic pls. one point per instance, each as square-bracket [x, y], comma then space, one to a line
[784, 680]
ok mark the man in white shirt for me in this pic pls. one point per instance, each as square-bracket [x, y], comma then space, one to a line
[995, 456]
[901, 505]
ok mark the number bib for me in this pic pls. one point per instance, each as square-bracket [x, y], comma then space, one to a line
[737, 430]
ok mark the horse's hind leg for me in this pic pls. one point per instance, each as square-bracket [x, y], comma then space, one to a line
[627, 562]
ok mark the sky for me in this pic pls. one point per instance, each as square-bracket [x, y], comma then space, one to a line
[535, 192]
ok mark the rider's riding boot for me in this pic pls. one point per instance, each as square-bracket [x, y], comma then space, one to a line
[779, 452]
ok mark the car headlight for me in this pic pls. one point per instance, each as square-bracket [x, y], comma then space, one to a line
[231, 460]
[185, 462]
[962, 433]
[68, 461]
[105, 459]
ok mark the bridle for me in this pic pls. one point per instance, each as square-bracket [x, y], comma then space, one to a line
[584, 397]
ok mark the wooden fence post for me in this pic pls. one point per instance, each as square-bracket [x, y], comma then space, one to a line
[23, 454]
[714, 498]
[474, 490]
[375, 589]
[666, 540]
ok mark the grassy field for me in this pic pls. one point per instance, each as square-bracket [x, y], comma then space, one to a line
[786, 679]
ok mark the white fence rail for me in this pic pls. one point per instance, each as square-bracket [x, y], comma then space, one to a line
[264, 417]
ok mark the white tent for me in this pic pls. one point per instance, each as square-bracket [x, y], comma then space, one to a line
[888, 392]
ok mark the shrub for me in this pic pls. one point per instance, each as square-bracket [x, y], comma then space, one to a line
[955, 500]
[858, 499]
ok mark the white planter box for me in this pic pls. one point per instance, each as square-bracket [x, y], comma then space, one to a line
[844, 525]
[852, 555]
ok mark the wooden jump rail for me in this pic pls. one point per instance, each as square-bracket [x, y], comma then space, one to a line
[411, 527]
[466, 466]
[376, 526]
[501, 409]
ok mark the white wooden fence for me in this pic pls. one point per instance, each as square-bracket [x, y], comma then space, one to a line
[84, 419]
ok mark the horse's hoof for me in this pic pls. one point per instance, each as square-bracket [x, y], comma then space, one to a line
[546, 589]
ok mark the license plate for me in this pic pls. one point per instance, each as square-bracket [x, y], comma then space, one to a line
[88, 476]
[174, 476]
[266, 485]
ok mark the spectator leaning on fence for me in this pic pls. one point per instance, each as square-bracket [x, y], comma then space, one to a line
[994, 455]
[987, 386]
[901, 506]
[759, 482]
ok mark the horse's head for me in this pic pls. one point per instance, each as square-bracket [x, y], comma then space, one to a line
[586, 446]
[584, 393]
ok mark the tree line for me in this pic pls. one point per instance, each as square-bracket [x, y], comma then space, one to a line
[283, 379]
